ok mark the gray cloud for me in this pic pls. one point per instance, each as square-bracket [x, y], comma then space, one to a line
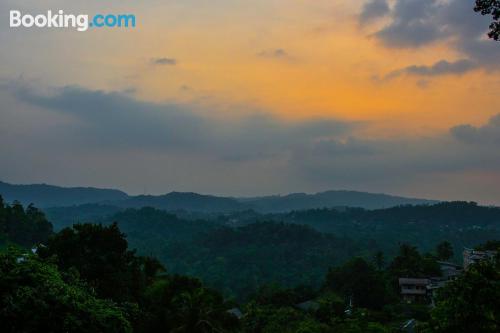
[405, 162]
[164, 61]
[115, 120]
[488, 134]
[417, 23]
[373, 10]
[86, 137]
[413, 24]
[442, 67]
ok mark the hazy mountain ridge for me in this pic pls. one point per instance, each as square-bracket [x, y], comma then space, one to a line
[341, 198]
[187, 201]
[43, 195]
[53, 196]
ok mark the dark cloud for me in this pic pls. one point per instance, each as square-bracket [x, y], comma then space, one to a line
[164, 61]
[402, 161]
[373, 10]
[114, 120]
[442, 67]
[112, 139]
[488, 134]
[418, 23]
[413, 24]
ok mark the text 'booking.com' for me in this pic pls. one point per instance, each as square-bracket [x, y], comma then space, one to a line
[79, 22]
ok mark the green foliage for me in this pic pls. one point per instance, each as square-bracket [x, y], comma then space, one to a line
[358, 279]
[276, 295]
[444, 251]
[411, 264]
[470, 303]
[270, 319]
[490, 7]
[236, 261]
[101, 257]
[379, 260]
[361, 326]
[240, 260]
[23, 227]
[463, 224]
[182, 304]
[62, 289]
[331, 308]
[492, 245]
[35, 297]
[63, 217]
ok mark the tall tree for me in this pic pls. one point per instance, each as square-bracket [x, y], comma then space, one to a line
[181, 304]
[470, 303]
[361, 281]
[379, 260]
[24, 227]
[490, 7]
[444, 250]
[100, 254]
[410, 263]
[36, 297]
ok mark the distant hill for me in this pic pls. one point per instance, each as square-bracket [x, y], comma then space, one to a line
[53, 196]
[302, 201]
[183, 201]
[43, 195]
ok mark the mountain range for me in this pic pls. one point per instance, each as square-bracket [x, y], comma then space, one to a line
[44, 196]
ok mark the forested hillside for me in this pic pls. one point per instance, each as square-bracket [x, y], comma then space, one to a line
[238, 252]
[464, 224]
[275, 277]
[234, 260]
[329, 199]
[20, 226]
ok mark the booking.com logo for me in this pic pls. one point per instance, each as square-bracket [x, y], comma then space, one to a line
[80, 22]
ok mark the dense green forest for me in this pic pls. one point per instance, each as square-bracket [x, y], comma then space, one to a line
[85, 278]
[464, 224]
[234, 260]
[238, 252]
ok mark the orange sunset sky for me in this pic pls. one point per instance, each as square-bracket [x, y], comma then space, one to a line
[256, 97]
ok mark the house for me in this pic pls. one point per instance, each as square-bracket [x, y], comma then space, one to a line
[423, 290]
[449, 271]
[414, 290]
[472, 256]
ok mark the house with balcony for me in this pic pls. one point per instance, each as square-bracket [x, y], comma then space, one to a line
[414, 290]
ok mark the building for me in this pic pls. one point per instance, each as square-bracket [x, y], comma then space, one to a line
[472, 256]
[414, 290]
[449, 271]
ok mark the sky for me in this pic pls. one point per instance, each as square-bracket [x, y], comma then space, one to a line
[244, 98]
